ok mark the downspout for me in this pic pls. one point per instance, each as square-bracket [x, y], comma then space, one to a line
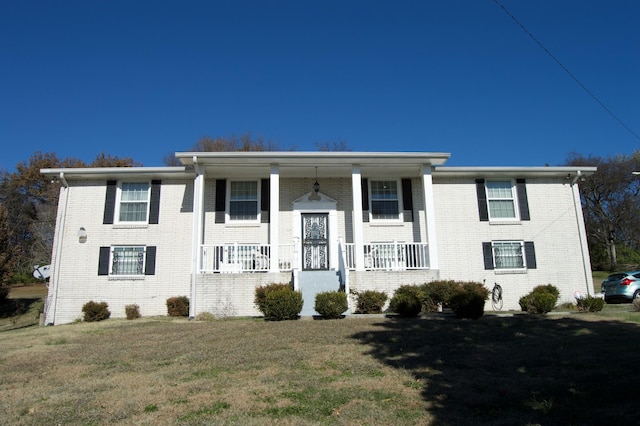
[586, 260]
[196, 242]
[52, 298]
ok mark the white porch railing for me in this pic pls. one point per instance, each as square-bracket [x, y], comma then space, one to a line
[390, 256]
[240, 257]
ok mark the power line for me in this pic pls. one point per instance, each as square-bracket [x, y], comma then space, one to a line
[567, 70]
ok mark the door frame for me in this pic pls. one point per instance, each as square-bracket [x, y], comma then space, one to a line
[312, 203]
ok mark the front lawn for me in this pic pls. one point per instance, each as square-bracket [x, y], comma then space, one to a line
[573, 369]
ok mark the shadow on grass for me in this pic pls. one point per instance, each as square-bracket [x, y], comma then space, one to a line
[13, 307]
[516, 370]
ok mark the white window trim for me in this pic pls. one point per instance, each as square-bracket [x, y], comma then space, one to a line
[140, 276]
[228, 218]
[508, 270]
[514, 198]
[400, 219]
[117, 220]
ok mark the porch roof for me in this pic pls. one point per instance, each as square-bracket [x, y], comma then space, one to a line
[303, 164]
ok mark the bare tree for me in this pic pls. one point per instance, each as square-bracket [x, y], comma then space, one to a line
[337, 145]
[610, 208]
[243, 142]
[31, 201]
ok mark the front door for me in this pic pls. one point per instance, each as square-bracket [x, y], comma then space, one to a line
[315, 249]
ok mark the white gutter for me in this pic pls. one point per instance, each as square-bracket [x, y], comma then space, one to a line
[52, 298]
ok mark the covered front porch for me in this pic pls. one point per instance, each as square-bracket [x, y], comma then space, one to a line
[365, 213]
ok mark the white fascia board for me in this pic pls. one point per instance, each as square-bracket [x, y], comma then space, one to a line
[312, 158]
[118, 172]
[507, 171]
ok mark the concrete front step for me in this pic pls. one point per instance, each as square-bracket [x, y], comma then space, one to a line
[314, 282]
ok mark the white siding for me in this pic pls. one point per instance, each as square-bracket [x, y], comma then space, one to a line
[79, 281]
[552, 228]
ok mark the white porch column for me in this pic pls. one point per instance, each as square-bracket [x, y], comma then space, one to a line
[274, 218]
[358, 238]
[197, 231]
[429, 210]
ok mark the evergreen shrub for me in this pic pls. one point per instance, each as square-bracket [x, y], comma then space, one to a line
[331, 304]
[468, 300]
[282, 304]
[438, 294]
[262, 291]
[541, 300]
[370, 302]
[589, 304]
[407, 301]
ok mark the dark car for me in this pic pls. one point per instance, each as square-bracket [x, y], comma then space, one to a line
[621, 287]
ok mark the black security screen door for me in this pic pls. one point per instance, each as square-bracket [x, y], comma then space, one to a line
[315, 250]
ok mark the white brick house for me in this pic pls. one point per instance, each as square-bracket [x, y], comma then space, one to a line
[226, 222]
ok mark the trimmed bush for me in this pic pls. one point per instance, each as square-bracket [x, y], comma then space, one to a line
[178, 306]
[95, 311]
[282, 304]
[438, 294]
[407, 301]
[406, 305]
[411, 291]
[370, 302]
[547, 288]
[262, 291]
[590, 304]
[541, 300]
[468, 300]
[331, 304]
[132, 311]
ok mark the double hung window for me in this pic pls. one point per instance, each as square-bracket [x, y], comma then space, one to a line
[501, 200]
[384, 200]
[243, 200]
[134, 202]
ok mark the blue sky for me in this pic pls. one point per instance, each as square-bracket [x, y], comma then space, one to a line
[142, 79]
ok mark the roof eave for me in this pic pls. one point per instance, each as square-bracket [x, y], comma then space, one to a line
[116, 172]
[443, 171]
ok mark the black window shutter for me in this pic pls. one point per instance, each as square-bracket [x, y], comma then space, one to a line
[530, 255]
[483, 210]
[103, 260]
[150, 261]
[154, 204]
[365, 200]
[221, 195]
[523, 202]
[110, 202]
[407, 200]
[265, 202]
[487, 252]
